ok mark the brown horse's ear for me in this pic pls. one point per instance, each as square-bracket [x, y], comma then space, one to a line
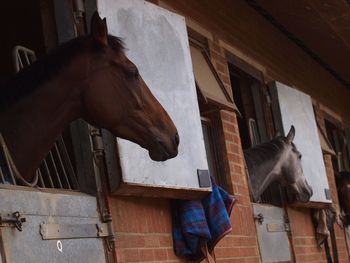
[99, 29]
[291, 134]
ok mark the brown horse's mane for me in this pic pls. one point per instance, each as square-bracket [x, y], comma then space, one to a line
[30, 78]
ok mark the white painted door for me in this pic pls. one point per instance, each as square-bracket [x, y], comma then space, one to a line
[76, 215]
[157, 42]
[272, 233]
[293, 107]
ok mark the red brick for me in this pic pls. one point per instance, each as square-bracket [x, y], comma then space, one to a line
[160, 254]
[131, 255]
[146, 255]
[130, 241]
[151, 241]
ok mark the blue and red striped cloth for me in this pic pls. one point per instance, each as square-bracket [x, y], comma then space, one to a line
[200, 223]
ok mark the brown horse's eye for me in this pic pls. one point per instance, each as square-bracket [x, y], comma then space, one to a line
[136, 73]
[133, 73]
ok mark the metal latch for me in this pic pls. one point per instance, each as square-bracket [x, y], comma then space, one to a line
[14, 220]
[259, 217]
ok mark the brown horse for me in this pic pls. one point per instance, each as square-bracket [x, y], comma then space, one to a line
[343, 187]
[277, 160]
[89, 78]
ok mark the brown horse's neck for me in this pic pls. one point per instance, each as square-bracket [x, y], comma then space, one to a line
[31, 126]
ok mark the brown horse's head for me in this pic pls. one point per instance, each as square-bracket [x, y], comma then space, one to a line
[117, 98]
[292, 175]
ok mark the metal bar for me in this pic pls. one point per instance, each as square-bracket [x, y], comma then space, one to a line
[41, 181]
[48, 173]
[2, 176]
[2, 249]
[67, 161]
[10, 170]
[32, 57]
[27, 59]
[62, 165]
[55, 168]
[20, 63]
[70, 231]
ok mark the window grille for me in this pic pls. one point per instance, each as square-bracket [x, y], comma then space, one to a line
[253, 132]
[56, 170]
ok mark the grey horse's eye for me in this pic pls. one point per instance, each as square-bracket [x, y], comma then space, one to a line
[300, 156]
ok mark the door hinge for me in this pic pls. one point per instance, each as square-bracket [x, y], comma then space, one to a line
[12, 220]
[97, 142]
[110, 239]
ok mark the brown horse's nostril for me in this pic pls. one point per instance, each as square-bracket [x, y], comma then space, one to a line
[177, 139]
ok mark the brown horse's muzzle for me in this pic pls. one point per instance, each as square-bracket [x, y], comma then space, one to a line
[164, 149]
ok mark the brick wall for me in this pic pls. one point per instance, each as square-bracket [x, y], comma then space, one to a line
[143, 225]
[241, 244]
[343, 253]
[143, 229]
[303, 237]
[303, 233]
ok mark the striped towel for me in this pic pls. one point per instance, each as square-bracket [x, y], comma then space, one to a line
[198, 225]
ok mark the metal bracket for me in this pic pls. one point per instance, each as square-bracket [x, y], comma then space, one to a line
[71, 231]
[278, 227]
[327, 194]
[259, 217]
[14, 220]
[204, 178]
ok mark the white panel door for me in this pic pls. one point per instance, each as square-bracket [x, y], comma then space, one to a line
[293, 107]
[38, 208]
[157, 43]
[272, 231]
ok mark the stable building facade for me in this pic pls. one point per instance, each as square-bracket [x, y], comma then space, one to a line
[240, 54]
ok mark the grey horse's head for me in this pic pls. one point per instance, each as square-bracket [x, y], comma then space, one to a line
[292, 176]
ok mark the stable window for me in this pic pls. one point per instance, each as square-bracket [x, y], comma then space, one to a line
[347, 146]
[248, 90]
[211, 148]
[212, 97]
[326, 145]
[339, 142]
[208, 82]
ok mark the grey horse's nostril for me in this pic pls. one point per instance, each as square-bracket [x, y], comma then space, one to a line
[177, 139]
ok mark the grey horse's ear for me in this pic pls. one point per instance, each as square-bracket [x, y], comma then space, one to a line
[277, 134]
[291, 134]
